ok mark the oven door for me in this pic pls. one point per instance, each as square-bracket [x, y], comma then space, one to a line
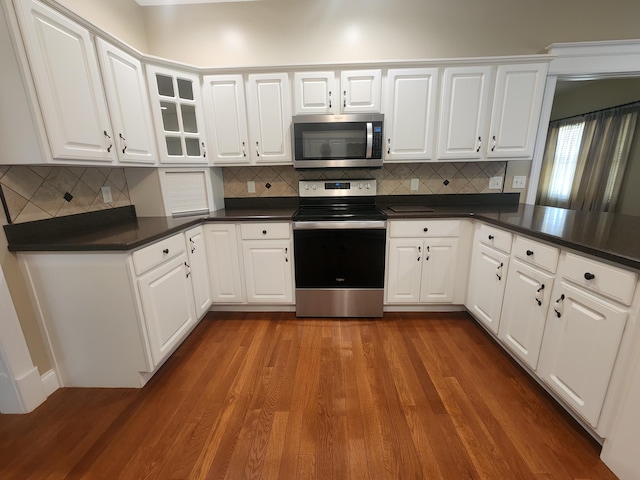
[339, 268]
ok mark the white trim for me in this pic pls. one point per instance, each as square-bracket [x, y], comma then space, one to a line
[21, 384]
[50, 382]
[595, 59]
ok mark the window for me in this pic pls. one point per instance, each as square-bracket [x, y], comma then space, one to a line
[565, 161]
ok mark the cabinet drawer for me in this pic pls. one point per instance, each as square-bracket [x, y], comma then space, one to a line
[424, 228]
[494, 237]
[608, 280]
[256, 231]
[536, 253]
[153, 255]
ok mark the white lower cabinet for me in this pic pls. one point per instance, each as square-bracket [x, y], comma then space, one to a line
[487, 280]
[268, 262]
[580, 347]
[167, 303]
[422, 261]
[524, 311]
[112, 318]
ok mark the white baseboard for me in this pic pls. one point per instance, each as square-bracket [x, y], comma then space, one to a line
[50, 382]
[30, 390]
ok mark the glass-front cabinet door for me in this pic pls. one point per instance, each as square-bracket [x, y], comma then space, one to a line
[177, 109]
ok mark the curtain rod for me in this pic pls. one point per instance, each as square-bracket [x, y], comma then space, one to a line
[635, 102]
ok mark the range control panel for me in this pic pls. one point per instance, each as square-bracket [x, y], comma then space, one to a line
[337, 188]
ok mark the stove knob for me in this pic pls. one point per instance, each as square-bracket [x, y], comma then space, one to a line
[314, 186]
[368, 186]
[360, 186]
[306, 186]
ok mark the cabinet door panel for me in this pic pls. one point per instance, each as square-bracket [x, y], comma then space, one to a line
[524, 312]
[67, 79]
[404, 269]
[579, 349]
[129, 107]
[268, 272]
[225, 108]
[269, 110]
[486, 285]
[167, 303]
[438, 270]
[411, 114]
[360, 90]
[225, 266]
[516, 110]
[463, 115]
[315, 92]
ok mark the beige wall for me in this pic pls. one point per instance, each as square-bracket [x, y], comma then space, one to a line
[276, 32]
[123, 19]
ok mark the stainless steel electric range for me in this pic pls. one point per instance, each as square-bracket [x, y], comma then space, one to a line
[339, 246]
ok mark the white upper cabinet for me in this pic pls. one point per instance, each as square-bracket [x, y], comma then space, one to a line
[269, 112]
[410, 114]
[516, 110]
[469, 130]
[177, 111]
[360, 91]
[463, 112]
[126, 90]
[315, 92]
[226, 118]
[67, 80]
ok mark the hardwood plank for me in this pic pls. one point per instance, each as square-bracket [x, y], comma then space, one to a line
[267, 395]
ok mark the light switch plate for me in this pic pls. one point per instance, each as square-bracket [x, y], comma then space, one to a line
[415, 183]
[495, 183]
[519, 181]
[251, 186]
[106, 194]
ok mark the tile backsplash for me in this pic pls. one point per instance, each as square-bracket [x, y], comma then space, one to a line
[38, 192]
[393, 179]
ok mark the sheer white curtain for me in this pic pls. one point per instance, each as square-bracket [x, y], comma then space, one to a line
[585, 159]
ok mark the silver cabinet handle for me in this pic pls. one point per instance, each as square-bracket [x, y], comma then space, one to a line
[479, 144]
[204, 150]
[344, 99]
[388, 146]
[257, 149]
[329, 99]
[493, 147]
[244, 151]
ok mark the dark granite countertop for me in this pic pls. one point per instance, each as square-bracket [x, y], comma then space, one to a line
[612, 237]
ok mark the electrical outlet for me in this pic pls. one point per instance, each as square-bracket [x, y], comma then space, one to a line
[251, 186]
[495, 183]
[415, 184]
[519, 181]
[106, 194]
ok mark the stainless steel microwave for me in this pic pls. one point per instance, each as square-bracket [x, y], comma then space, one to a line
[323, 141]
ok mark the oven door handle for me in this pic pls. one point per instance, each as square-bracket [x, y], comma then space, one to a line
[344, 224]
[369, 152]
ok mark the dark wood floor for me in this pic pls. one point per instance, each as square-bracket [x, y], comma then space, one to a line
[411, 396]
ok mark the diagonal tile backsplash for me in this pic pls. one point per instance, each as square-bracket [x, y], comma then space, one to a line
[38, 192]
[393, 179]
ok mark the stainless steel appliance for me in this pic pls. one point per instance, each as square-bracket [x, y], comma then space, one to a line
[322, 141]
[339, 245]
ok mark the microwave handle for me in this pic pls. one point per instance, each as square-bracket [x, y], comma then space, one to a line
[369, 140]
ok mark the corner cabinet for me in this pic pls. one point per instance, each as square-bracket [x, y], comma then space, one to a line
[176, 104]
[473, 128]
[66, 76]
[113, 318]
[410, 120]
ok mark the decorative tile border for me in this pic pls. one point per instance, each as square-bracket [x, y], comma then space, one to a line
[393, 179]
[38, 192]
